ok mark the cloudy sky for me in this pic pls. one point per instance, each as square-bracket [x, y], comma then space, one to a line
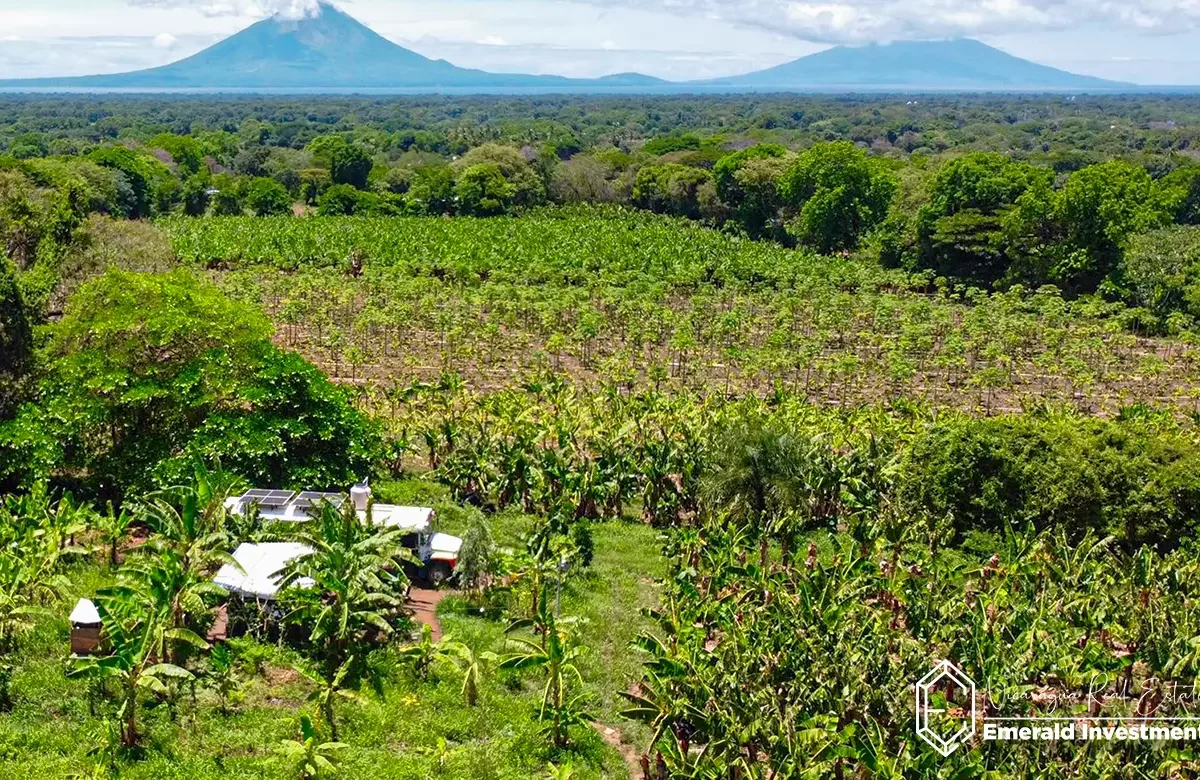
[1145, 41]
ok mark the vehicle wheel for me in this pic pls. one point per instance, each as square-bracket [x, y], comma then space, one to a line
[439, 575]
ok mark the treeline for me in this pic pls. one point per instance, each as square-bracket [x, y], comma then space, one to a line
[1070, 131]
[1084, 224]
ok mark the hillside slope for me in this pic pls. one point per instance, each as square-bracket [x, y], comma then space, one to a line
[954, 64]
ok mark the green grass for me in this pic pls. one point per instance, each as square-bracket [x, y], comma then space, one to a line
[50, 731]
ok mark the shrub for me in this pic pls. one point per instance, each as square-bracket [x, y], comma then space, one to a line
[1132, 480]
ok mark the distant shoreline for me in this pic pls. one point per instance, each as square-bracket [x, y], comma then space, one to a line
[673, 89]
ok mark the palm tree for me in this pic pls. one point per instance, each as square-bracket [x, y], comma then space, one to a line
[350, 587]
[133, 636]
[559, 709]
[309, 756]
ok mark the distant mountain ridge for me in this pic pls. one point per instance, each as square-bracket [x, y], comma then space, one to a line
[328, 50]
[962, 63]
[332, 50]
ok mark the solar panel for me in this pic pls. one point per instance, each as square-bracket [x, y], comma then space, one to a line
[268, 499]
[310, 500]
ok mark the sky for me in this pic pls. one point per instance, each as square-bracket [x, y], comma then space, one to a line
[1141, 41]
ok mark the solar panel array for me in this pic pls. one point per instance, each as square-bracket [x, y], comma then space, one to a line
[307, 501]
[268, 499]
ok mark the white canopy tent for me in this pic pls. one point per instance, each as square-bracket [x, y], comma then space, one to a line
[261, 564]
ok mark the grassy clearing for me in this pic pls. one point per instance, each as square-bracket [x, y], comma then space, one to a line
[52, 727]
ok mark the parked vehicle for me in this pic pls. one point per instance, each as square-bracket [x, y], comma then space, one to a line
[436, 552]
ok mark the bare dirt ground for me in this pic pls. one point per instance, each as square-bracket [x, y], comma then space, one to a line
[424, 603]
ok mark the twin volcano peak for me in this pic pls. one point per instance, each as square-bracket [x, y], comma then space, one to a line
[312, 45]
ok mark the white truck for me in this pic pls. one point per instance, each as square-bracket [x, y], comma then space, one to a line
[436, 552]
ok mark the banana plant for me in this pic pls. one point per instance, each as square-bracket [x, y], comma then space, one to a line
[308, 756]
[132, 637]
[562, 708]
[470, 664]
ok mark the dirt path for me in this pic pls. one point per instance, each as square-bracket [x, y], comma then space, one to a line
[629, 753]
[424, 603]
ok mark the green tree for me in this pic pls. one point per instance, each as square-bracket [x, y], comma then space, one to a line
[1098, 209]
[670, 188]
[748, 182]
[350, 165]
[184, 150]
[962, 230]
[483, 191]
[148, 178]
[340, 200]
[229, 200]
[528, 187]
[267, 197]
[431, 191]
[1181, 191]
[838, 194]
[150, 372]
[194, 197]
[16, 340]
[1162, 269]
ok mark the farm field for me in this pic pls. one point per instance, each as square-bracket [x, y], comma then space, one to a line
[612, 297]
[743, 416]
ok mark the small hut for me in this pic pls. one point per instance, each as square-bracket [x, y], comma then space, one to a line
[85, 628]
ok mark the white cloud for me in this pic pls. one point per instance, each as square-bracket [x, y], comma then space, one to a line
[858, 21]
[256, 9]
[492, 40]
[164, 41]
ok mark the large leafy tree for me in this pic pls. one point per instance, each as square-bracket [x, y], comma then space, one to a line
[1162, 269]
[16, 339]
[483, 191]
[748, 182]
[267, 197]
[349, 164]
[528, 188]
[1099, 208]
[838, 194]
[151, 371]
[961, 230]
[671, 188]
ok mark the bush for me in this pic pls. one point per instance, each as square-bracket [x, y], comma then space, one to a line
[150, 371]
[1162, 268]
[1138, 483]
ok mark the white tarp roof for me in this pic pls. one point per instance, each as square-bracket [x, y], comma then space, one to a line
[261, 563]
[408, 518]
[85, 614]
